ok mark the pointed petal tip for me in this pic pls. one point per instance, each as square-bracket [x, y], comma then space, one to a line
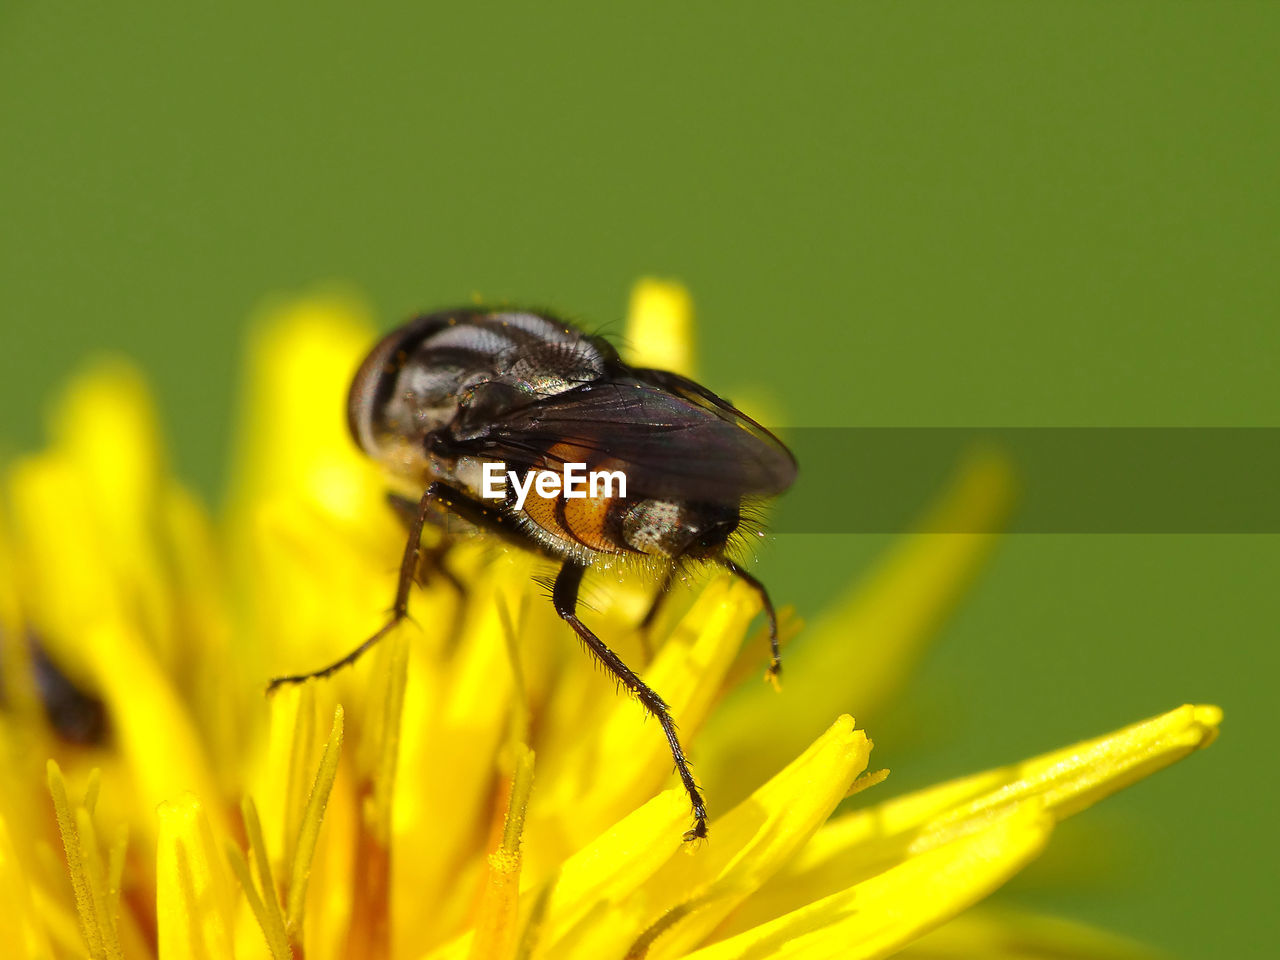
[1207, 714]
[659, 330]
[1208, 718]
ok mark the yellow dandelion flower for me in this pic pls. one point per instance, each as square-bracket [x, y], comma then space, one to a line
[485, 796]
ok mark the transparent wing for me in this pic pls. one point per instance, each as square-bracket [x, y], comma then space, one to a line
[671, 437]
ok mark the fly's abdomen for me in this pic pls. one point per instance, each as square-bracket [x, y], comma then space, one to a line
[586, 515]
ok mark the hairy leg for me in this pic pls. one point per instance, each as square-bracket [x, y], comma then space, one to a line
[565, 597]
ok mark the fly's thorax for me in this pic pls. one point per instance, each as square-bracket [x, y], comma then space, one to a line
[676, 529]
[455, 369]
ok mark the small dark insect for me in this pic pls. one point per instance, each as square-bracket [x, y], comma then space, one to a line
[76, 715]
[452, 391]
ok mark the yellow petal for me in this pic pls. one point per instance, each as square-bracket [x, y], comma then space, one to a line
[659, 332]
[695, 888]
[194, 902]
[105, 428]
[302, 359]
[206, 650]
[876, 917]
[865, 842]
[20, 927]
[456, 718]
[603, 872]
[62, 591]
[317, 588]
[104, 535]
[609, 869]
[155, 732]
[310, 535]
[1079, 776]
[857, 656]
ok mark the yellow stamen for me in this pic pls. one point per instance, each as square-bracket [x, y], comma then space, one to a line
[309, 833]
[301, 748]
[262, 895]
[90, 878]
[370, 932]
[496, 927]
[99, 883]
[380, 741]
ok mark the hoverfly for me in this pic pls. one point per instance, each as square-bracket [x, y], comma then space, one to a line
[452, 391]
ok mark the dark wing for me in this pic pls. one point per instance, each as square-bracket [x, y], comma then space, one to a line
[672, 438]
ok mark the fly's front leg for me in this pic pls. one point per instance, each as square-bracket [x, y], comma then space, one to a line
[400, 609]
[565, 597]
[431, 561]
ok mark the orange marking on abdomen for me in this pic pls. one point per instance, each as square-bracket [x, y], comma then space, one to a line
[544, 511]
[581, 521]
[587, 520]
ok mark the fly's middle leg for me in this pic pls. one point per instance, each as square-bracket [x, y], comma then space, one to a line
[565, 597]
[399, 609]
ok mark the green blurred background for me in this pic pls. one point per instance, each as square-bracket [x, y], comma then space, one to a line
[889, 214]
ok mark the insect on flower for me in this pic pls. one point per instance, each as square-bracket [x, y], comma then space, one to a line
[453, 398]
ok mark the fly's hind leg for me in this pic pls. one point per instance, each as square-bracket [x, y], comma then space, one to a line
[775, 654]
[659, 599]
[565, 597]
[400, 608]
[650, 617]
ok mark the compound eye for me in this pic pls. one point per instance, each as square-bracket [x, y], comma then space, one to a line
[371, 388]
